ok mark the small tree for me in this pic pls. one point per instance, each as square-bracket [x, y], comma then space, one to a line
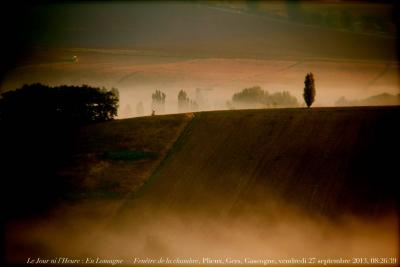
[158, 101]
[183, 101]
[309, 89]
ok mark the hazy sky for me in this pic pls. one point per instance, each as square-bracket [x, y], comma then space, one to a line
[219, 46]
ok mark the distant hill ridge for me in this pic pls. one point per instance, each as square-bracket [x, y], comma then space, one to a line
[375, 100]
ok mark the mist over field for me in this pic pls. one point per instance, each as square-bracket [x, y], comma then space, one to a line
[248, 192]
[243, 172]
[283, 232]
[211, 50]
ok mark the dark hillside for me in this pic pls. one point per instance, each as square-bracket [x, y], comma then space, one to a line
[326, 160]
[317, 182]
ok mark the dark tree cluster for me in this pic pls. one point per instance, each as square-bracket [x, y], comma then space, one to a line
[183, 101]
[256, 95]
[250, 95]
[39, 127]
[186, 104]
[60, 104]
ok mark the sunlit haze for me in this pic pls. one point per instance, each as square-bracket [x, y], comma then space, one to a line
[135, 131]
[211, 50]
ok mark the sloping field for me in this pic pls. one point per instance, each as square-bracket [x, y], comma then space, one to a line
[271, 183]
[103, 160]
[324, 160]
[118, 156]
[248, 185]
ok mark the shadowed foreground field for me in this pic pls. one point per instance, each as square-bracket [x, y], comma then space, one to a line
[251, 184]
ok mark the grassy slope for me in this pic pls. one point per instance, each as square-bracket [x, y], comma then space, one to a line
[327, 160]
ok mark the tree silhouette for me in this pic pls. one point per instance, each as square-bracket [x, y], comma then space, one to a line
[186, 104]
[40, 130]
[309, 89]
[60, 104]
[183, 101]
[158, 101]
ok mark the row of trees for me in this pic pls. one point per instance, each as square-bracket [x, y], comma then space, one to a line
[255, 96]
[84, 104]
[185, 104]
[247, 98]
